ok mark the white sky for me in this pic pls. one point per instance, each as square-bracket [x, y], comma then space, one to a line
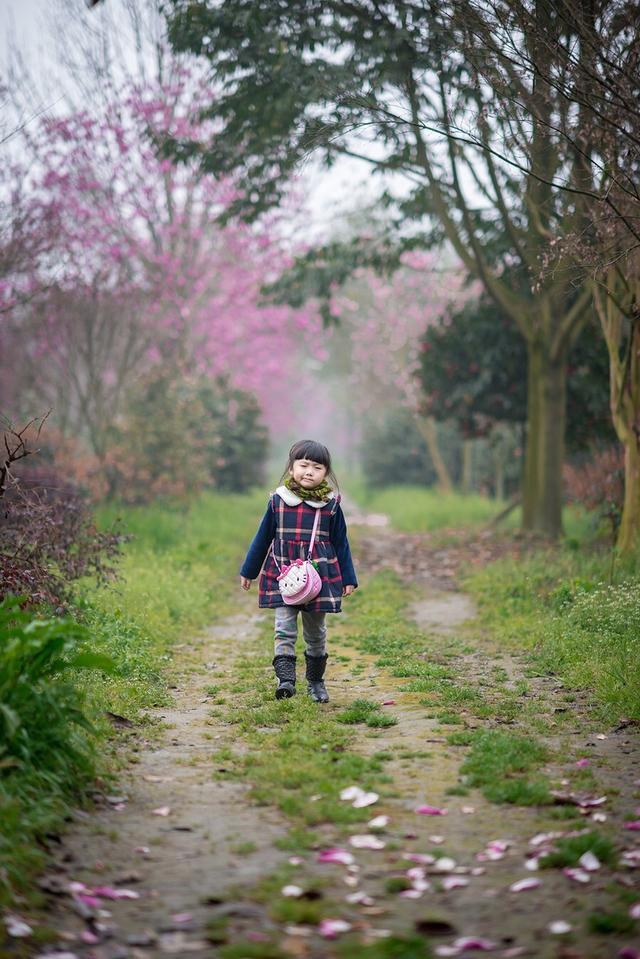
[25, 27]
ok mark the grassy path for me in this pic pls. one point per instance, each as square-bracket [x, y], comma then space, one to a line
[424, 712]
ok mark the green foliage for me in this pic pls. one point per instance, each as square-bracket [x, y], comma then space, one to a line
[567, 851]
[47, 742]
[393, 947]
[557, 605]
[498, 762]
[364, 711]
[176, 576]
[238, 439]
[610, 922]
[41, 711]
[415, 509]
[473, 369]
[393, 452]
[180, 434]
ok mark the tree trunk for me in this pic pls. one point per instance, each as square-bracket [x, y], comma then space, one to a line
[429, 431]
[622, 334]
[498, 462]
[467, 465]
[544, 458]
[630, 522]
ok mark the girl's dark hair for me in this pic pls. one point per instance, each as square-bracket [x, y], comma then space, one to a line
[310, 450]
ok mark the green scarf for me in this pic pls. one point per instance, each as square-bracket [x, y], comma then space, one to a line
[318, 493]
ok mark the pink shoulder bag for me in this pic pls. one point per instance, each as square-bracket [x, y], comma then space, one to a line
[300, 582]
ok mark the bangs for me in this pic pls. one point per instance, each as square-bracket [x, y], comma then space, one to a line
[310, 450]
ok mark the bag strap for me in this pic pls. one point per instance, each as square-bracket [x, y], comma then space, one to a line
[316, 521]
[314, 531]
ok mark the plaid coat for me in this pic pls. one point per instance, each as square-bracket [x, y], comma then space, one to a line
[286, 530]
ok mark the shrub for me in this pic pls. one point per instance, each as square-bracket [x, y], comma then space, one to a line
[48, 537]
[598, 484]
[180, 435]
[41, 710]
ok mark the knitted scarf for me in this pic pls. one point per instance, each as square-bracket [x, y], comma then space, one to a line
[319, 493]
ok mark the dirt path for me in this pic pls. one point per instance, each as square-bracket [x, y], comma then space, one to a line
[194, 869]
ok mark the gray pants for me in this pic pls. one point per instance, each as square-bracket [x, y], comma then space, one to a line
[314, 631]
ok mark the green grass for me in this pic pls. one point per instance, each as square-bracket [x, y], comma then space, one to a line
[567, 851]
[394, 947]
[499, 763]
[364, 711]
[557, 605]
[422, 509]
[177, 575]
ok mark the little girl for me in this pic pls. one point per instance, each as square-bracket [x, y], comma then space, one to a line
[285, 531]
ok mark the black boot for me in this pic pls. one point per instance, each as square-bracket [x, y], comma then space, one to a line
[315, 671]
[285, 667]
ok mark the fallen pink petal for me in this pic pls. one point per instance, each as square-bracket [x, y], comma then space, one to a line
[389, 702]
[17, 928]
[89, 937]
[436, 840]
[628, 952]
[589, 862]
[589, 801]
[411, 894]
[295, 860]
[364, 800]
[483, 945]
[182, 917]
[161, 811]
[444, 864]
[454, 882]
[468, 810]
[431, 811]
[108, 892]
[332, 928]
[341, 856]
[633, 824]
[378, 823]
[422, 857]
[577, 875]
[367, 841]
[559, 927]
[92, 901]
[360, 898]
[523, 885]
[634, 910]
[583, 762]
[57, 955]
[542, 838]
[293, 891]
[421, 885]
[351, 792]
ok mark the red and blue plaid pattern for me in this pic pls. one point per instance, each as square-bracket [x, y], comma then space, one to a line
[293, 535]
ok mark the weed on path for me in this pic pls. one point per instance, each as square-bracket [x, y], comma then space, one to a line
[446, 801]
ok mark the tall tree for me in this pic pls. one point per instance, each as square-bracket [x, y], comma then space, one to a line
[592, 65]
[394, 85]
[139, 272]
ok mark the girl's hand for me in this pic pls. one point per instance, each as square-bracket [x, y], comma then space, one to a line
[245, 583]
[347, 590]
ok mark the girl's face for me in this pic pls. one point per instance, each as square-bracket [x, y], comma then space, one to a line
[307, 473]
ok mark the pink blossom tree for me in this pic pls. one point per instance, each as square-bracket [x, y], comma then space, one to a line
[140, 272]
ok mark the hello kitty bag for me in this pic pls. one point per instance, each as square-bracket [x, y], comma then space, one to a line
[300, 582]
